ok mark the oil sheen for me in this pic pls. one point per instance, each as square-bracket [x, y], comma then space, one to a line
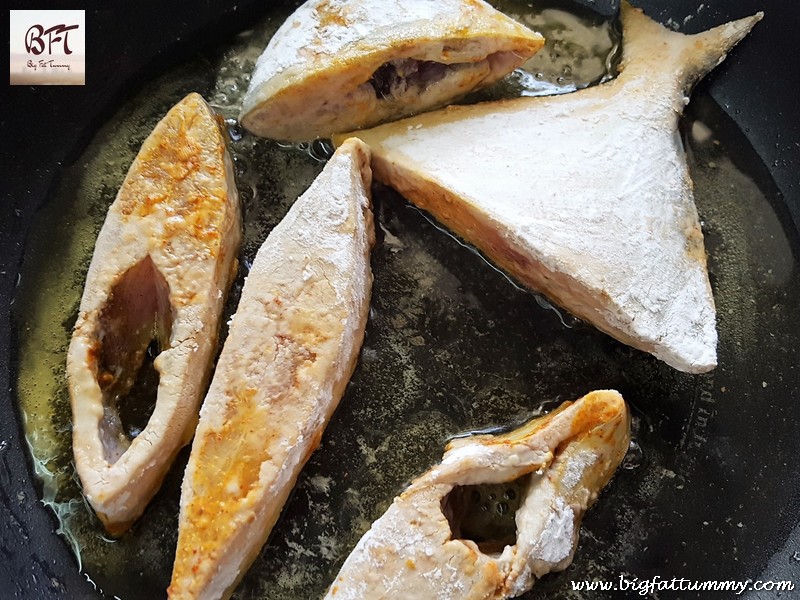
[451, 345]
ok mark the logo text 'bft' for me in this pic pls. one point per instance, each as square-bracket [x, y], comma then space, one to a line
[34, 38]
[47, 47]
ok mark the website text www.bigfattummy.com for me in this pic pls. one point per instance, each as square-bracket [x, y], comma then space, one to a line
[644, 587]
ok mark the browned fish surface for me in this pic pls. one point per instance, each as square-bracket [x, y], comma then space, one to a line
[425, 546]
[337, 66]
[291, 349]
[162, 265]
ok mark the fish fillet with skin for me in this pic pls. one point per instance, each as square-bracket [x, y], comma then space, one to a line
[161, 268]
[419, 548]
[337, 65]
[584, 196]
[292, 347]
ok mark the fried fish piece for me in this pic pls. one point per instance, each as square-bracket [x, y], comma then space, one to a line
[337, 65]
[420, 549]
[161, 268]
[292, 347]
[586, 196]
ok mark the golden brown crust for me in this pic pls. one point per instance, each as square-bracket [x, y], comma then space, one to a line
[291, 349]
[313, 79]
[166, 253]
[415, 549]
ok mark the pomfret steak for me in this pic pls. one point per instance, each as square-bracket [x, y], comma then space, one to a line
[585, 196]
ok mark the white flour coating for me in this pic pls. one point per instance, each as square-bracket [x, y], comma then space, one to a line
[311, 31]
[411, 551]
[591, 185]
[557, 539]
[522, 583]
[315, 229]
[282, 371]
[573, 469]
[315, 77]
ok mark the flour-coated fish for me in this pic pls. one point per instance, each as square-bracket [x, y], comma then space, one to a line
[161, 268]
[337, 65]
[292, 346]
[422, 547]
[584, 196]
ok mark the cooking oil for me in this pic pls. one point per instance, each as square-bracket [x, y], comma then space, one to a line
[451, 345]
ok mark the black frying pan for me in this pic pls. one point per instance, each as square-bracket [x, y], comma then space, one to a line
[733, 509]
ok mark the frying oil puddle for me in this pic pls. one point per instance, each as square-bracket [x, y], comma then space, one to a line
[451, 346]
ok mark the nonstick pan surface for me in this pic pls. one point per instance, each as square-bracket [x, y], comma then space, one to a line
[451, 346]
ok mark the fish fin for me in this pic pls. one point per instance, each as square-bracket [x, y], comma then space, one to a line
[647, 42]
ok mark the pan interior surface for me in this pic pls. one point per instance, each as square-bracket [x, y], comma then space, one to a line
[452, 346]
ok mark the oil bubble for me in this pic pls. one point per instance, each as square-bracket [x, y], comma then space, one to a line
[634, 458]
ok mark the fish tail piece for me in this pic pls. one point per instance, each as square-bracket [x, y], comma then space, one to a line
[693, 56]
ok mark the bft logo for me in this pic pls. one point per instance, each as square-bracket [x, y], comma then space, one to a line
[48, 47]
[34, 38]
